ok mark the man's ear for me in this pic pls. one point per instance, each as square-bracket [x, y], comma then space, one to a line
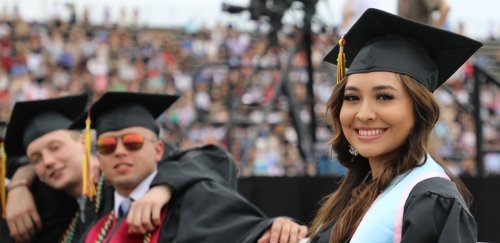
[160, 149]
[95, 168]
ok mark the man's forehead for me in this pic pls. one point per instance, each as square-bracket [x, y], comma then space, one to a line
[137, 129]
[61, 135]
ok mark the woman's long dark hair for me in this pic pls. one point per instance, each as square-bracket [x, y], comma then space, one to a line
[347, 205]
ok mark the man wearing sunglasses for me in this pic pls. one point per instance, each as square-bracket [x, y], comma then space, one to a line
[211, 211]
[39, 130]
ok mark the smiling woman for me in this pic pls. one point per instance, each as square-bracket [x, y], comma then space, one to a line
[383, 112]
[377, 116]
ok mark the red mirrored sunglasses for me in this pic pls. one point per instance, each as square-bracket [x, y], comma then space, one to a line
[131, 141]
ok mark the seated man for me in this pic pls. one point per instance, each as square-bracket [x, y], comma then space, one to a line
[46, 122]
[128, 150]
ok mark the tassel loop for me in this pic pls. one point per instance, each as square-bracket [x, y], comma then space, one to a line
[341, 61]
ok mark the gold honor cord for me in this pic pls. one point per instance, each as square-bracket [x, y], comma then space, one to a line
[88, 184]
[341, 61]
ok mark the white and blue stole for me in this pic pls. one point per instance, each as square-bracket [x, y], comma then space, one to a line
[383, 221]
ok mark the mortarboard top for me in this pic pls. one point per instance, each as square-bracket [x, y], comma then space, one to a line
[32, 119]
[380, 41]
[119, 110]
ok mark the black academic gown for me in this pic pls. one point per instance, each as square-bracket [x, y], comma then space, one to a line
[205, 207]
[4, 232]
[434, 212]
[209, 209]
[209, 212]
[91, 213]
[53, 217]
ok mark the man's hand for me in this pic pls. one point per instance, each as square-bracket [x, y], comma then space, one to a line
[145, 214]
[21, 214]
[284, 230]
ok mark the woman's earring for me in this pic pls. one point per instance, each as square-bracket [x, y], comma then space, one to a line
[353, 151]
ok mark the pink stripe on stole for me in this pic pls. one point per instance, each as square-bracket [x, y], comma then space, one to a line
[398, 227]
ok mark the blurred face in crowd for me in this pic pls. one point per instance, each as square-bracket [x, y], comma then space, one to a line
[128, 156]
[376, 115]
[56, 158]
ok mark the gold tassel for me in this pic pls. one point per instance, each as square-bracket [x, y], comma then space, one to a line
[341, 61]
[3, 170]
[88, 189]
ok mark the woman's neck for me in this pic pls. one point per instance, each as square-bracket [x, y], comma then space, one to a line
[377, 164]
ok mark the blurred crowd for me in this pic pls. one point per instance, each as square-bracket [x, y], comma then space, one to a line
[236, 89]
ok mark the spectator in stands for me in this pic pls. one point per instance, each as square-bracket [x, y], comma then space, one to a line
[423, 11]
[383, 112]
[351, 12]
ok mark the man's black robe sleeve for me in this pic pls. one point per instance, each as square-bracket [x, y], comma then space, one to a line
[209, 212]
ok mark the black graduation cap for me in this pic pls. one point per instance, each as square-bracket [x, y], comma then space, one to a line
[380, 41]
[30, 120]
[119, 110]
